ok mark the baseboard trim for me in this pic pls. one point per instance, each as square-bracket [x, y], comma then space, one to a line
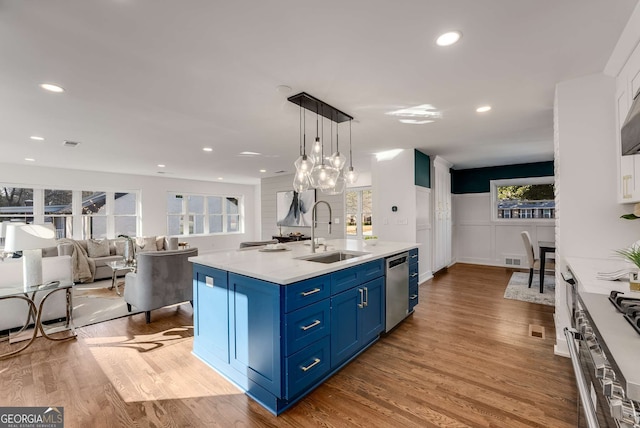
[560, 348]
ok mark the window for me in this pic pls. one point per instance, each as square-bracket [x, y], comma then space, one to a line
[527, 199]
[58, 209]
[125, 214]
[78, 214]
[16, 203]
[203, 214]
[359, 214]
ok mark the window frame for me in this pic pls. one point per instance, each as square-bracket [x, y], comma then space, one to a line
[517, 182]
[359, 213]
[185, 215]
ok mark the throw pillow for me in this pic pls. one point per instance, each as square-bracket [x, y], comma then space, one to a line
[119, 248]
[145, 244]
[97, 248]
[160, 243]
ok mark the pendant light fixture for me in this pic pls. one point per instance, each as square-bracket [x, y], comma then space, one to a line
[316, 171]
[316, 149]
[337, 159]
[323, 176]
[351, 175]
[303, 164]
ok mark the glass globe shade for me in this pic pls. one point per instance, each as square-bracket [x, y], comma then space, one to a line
[304, 163]
[351, 175]
[337, 160]
[301, 182]
[323, 176]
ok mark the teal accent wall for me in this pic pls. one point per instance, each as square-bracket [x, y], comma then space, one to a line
[422, 168]
[477, 180]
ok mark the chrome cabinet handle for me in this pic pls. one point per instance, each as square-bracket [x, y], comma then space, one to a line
[366, 296]
[413, 275]
[208, 281]
[316, 361]
[414, 297]
[415, 256]
[361, 304]
[313, 324]
[310, 292]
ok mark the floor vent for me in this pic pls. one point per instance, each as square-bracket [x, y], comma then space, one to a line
[536, 331]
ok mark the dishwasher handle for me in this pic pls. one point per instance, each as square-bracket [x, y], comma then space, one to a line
[398, 260]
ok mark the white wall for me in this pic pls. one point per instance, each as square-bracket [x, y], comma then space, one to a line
[480, 240]
[393, 185]
[392, 182]
[268, 189]
[153, 194]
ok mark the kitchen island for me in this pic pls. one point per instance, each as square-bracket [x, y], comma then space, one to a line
[278, 324]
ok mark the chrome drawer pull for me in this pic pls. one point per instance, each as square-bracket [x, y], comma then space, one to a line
[415, 256]
[310, 366]
[413, 275]
[308, 293]
[361, 304]
[313, 324]
[209, 281]
[414, 297]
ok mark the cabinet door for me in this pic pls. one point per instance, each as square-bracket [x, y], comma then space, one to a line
[345, 331]
[255, 331]
[211, 313]
[372, 315]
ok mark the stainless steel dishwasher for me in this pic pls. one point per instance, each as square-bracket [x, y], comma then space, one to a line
[397, 293]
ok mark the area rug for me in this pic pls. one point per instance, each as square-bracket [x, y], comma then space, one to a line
[517, 289]
[95, 302]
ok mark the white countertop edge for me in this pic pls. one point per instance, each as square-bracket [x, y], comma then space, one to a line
[284, 268]
[586, 271]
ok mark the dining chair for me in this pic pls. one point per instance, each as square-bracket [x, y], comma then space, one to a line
[534, 264]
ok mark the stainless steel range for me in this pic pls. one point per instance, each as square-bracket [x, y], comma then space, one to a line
[605, 350]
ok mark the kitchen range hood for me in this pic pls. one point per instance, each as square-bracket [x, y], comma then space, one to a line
[630, 133]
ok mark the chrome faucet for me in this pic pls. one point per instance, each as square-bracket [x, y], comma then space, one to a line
[314, 223]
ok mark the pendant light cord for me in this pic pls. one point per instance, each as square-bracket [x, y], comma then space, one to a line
[350, 154]
[300, 134]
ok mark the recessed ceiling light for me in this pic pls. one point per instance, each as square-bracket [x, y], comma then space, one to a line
[284, 89]
[35, 137]
[30, 159]
[160, 165]
[483, 109]
[207, 149]
[449, 38]
[52, 88]
[263, 170]
[250, 154]
[220, 178]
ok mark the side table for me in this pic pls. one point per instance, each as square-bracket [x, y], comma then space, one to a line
[35, 311]
[116, 268]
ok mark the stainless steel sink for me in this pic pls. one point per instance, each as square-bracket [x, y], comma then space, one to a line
[333, 256]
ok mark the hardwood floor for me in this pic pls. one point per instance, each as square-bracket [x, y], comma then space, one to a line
[464, 359]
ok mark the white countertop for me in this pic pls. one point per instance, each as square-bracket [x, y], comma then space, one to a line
[283, 267]
[585, 270]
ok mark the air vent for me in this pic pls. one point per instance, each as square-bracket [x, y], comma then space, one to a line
[70, 144]
[280, 172]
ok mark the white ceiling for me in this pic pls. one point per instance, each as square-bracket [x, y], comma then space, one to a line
[154, 81]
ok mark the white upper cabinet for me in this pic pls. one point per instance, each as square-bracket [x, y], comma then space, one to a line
[629, 165]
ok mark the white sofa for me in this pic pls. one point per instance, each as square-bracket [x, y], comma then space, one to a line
[13, 312]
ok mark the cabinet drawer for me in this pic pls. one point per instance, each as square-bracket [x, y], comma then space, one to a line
[413, 256]
[306, 367]
[306, 325]
[413, 273]
[350, 277]
[306, 292]
[371, 270]
[414, 296]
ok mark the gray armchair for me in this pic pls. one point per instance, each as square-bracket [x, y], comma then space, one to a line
[162, 278]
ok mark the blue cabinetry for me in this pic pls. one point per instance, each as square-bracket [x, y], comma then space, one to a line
[414, 275]
[278, 342]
